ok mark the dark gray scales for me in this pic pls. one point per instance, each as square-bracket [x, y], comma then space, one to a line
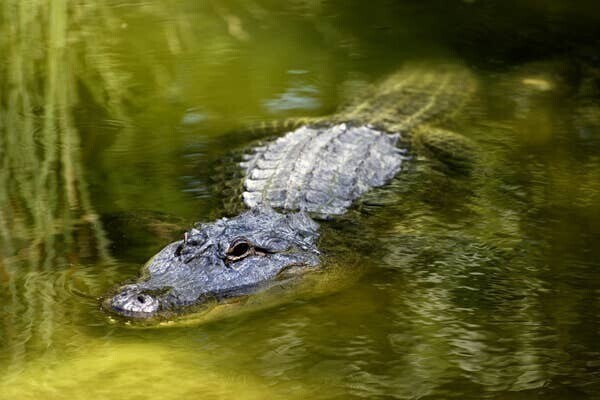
[320, 170]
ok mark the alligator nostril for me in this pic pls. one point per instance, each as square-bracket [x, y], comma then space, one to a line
[141, 299]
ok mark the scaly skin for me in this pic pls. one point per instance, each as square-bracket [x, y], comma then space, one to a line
[324, 166]
[412, 97]
[319, 168]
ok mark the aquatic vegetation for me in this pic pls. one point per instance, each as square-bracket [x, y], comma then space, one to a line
[47, 220]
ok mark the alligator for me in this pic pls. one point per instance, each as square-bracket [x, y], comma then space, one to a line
[315, 171]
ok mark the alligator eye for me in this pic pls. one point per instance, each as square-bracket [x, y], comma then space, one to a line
[239, 251]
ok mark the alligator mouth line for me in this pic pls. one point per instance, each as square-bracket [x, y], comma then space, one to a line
[161, 313]
[291, 271]
[205, 302]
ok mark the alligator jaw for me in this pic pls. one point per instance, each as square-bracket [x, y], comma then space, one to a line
[220, 261]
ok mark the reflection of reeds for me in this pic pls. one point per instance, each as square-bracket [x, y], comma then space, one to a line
[47, 222]
[54, 52]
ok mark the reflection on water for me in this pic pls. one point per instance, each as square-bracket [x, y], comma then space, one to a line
[484, 286]
[47, 222]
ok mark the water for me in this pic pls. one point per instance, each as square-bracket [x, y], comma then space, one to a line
[113, 114]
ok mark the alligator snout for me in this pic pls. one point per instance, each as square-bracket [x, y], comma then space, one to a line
[132, 301]
[221, 260]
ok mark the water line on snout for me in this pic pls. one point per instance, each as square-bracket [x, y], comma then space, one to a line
[133, 301]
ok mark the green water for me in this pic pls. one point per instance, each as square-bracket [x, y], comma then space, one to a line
[114, 114]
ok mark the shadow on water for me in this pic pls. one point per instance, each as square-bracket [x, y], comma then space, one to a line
[491, 281]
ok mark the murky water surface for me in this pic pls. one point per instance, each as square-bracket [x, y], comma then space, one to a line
[113, 116]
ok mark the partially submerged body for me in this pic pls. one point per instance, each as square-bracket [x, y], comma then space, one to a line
[315, 171]
[224, 259]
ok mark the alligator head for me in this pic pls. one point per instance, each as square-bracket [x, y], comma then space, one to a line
[224, 259]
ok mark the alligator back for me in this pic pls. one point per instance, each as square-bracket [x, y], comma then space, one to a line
[322, 168]
[412, 96]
